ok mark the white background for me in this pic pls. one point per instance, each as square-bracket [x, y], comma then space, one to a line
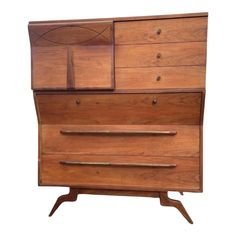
[24, 206]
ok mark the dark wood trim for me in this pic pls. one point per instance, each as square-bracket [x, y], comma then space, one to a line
[117, 132]
[127, 44]
[182, 65]
[119, 192]
[164, 199]
[116, 187]
[113, 57]
[119, 19]
[202, 106]
[113, 164]
[201, 157]
[127, 91]
[70, 71]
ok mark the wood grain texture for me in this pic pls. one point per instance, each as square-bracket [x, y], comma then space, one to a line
[148, 55]
[120, 105]
[49, 67]
[74, 33]
[184, 143]
[93, 68]
[161, 31]
[184, 176]
[160, 77]
[118, 192]
[72, 56]
[166, 201]
[130, 18]
[120, 109]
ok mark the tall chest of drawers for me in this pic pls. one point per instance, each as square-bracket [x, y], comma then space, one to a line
[120, 105]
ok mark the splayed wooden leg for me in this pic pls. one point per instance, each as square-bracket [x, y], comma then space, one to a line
[70, 197]
[166, 201]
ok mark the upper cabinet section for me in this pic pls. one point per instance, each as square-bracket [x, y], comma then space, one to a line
[72, 55]
[130, 53]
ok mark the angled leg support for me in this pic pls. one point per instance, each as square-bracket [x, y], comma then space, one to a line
[166, 201]
[70, 197]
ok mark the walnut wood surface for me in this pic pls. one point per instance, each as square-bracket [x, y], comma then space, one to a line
[184, 176]
[74, 33]
[166, 201]
[62, 54]
[93, 66]
[117, 19]
[184, 143]
[170, 54]
[161, 31]
[117, 109]
[70, 197]
[160, 77]
[49, 67]
[142, 133]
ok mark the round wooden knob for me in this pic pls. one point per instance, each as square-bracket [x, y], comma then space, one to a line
[154, 101]
[158, 55]
[77, 101]
[158, 78]
[158, 31]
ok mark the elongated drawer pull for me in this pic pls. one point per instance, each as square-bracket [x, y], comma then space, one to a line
[82, 163]
[117, 132]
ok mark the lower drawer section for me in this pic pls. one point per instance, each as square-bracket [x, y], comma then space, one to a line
[121, 172]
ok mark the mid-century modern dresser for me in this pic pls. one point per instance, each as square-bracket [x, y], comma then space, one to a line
[120, 105]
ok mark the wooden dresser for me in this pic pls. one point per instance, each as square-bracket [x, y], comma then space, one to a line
[120, 105]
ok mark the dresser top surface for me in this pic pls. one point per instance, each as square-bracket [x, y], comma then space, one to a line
[119, 19]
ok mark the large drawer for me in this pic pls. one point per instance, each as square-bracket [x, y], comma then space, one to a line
[119, 109]
[159, 31]
[130, 140]
[170, 54]
[160, 77]
[156, 173]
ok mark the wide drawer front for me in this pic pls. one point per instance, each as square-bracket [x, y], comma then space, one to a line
[159, 31]
[165, 140]
[160, 77]
[157, 173]
[174, 54]
[119, 109]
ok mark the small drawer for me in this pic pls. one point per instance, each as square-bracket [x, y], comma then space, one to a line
[174, 54]
[136, 173]
[119, 109]
[160, 77]
[151, 140]
[161, 31]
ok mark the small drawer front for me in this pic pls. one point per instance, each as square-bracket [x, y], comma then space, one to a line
[154, 140]
[119, 109]
[174, 54]
[168, 173]
[160, 77]
[161, 31]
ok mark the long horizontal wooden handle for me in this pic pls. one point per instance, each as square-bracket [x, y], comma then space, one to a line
[82, 163]
[117, 132]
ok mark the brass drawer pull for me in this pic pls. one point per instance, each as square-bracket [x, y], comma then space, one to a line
[82, 163]
[158, 55]
[158, 31]
[117, 132]
[154, 101]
